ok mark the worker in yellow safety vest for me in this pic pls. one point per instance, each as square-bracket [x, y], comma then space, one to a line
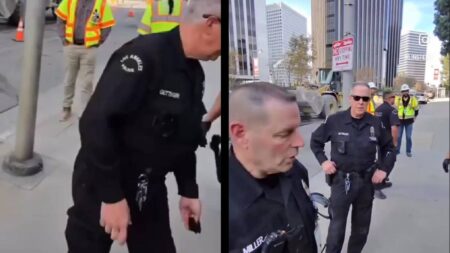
[408, 109]
[371, 106]
[82, 25]
[161, 16]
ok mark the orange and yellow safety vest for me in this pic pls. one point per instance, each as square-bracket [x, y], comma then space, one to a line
[157, 19]
[100, 18]
[371, 107]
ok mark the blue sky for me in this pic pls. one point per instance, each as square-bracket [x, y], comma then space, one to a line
[417, 14]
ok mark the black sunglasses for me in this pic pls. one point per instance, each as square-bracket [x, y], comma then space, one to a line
[357, 98]
[213, 17]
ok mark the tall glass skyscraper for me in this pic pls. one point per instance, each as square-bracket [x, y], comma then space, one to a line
[248, 39]
[377, 36]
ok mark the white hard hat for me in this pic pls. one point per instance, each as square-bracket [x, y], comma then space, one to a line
[404, 87]
[372, 85]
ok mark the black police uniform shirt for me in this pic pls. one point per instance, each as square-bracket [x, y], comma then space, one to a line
[388, 115]
[354, 142]
[260, 207]
[145, 113]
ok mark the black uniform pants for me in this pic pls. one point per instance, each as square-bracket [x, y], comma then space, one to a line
[360, 196]
[149, 231]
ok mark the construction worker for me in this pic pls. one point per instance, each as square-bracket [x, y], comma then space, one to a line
[408, 109]
[373, 90]
[161, 16]
[83, 25]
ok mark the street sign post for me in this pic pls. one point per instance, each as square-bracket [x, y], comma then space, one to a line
[343, 54]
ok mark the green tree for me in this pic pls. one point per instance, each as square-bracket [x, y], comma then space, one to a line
[298, 58]
[445, 71]
[365, 75]
[420, 86]
[402, 78]
[442, 22]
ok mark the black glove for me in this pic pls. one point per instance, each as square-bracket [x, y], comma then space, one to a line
[445, 164]
[206, 125]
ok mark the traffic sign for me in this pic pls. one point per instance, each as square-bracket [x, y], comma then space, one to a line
[343, 54]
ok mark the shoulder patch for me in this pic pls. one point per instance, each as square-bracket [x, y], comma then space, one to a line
[131, 63]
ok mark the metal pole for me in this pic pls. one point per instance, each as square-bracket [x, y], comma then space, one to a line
[23, 161]
[349, 29]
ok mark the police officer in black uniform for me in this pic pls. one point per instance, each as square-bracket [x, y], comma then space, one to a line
[269, 205]
[143, 121]
[355, 136]
[389, 117]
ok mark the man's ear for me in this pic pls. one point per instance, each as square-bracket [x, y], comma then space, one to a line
[237, 129]
[238, 132]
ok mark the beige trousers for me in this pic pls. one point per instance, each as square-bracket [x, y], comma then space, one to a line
[79, 61]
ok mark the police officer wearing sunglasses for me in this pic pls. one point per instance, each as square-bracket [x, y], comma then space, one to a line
[355, 137]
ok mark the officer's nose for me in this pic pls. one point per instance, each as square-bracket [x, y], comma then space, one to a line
[298, 141]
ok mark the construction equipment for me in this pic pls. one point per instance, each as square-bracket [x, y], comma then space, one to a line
[13, 10]
[322, 98]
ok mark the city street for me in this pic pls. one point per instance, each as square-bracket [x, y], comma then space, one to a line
[32, 213]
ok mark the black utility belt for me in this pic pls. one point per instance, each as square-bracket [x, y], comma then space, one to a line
[361, 173]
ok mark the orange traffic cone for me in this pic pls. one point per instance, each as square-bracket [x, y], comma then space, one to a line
[131, 12]
[19, 32]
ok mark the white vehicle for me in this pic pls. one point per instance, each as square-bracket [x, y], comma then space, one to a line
[421, 98]
[12, 10]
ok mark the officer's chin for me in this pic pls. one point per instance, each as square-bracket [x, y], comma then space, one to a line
[287, 165]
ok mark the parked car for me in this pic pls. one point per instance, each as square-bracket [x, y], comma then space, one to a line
[12, 10]
[421, 98]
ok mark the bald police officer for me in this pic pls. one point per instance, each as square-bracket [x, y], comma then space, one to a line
[143, 121]
[355, 136]
[269, 205]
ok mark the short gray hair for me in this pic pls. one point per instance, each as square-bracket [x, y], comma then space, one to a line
[195, 10]
[364, 84]
[247, 100]
[258, 92]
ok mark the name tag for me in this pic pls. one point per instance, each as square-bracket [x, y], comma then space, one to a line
[168, 93]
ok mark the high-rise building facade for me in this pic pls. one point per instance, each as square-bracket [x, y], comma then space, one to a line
[394, 17]
[282, 24]
[319, 33]
[413, 53]
[377, 36]
[248, 40]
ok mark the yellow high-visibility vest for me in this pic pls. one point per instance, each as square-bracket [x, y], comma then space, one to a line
[100, 18]
[157, 19]
[408, 112]
[371, 107]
